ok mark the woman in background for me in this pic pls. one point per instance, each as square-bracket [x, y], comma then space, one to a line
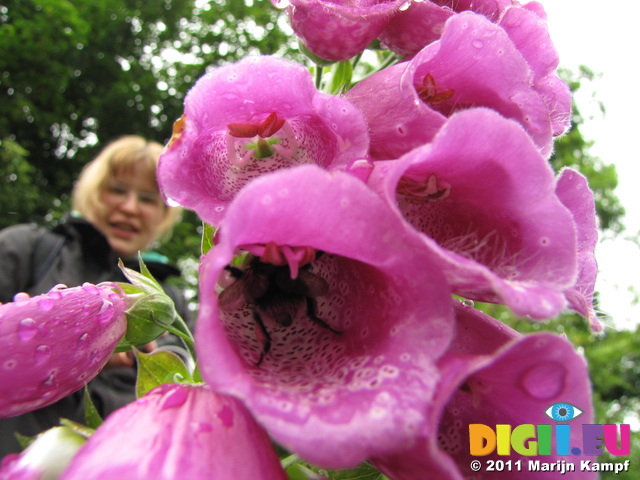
[118, 211]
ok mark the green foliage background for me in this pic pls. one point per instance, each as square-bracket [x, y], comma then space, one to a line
[77, 74]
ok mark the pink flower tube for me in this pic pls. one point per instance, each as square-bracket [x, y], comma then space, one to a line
[177, 432]
[485, 200]
[474, 64]
[250, 118]
[491, 376]
[330, 329]
[52, 344]
[338, 30]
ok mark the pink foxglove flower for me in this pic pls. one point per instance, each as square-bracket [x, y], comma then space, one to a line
[527, 28]
[52, 344]
[338, 30]
[330, 329]
[246, 119]
[493, 375]
[485, 200]
[474, 64]
[177, 432]
[422, 22]
[573, 191]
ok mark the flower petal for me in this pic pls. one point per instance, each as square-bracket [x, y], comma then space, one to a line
[52, 344]
[490, 211]
[176, 432]
[493, 375]
[573, 191]
[360, 384]
[249, 118]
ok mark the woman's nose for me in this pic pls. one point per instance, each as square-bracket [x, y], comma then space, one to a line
[130, 203]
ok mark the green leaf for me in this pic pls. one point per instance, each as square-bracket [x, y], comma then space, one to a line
[207, 237]
[159, 368]
[91, 415]
[24, 440]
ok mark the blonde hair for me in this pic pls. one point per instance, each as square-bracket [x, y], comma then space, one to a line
[117, 157]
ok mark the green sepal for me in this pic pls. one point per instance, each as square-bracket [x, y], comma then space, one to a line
[78, 428]
[23, 440]
[159, 368]
[150, 311]
[91, 416]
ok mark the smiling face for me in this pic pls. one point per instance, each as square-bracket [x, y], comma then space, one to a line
[131, 210]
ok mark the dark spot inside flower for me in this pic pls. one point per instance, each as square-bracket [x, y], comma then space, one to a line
[429, 94]
[277, 284]
[422, 191]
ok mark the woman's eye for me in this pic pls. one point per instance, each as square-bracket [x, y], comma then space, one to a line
[149, 198]
[117, 189]
[563, 412]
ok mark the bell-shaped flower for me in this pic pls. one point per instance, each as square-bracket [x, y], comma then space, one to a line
[573, 191]
[330, 326]
[422, 23]
[527, 28]
[485, 200]
[491, 376]
[474, 64]
[337, 31]
[249, 118]
[54, 343]
[176, 432]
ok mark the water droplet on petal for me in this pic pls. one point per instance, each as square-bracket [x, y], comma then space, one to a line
[27, 329]
[83, 338]
[106, 311]
[42, 354]
[477, 43]
[467, 303]
[10, 364]
[544, 381]
[46, 303]
[174, 399]
[91, 288]
[21, 297]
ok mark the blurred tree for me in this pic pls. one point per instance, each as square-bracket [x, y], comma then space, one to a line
[76, 74]
[572, 150]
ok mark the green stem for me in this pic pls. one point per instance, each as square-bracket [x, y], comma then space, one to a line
[318, 77]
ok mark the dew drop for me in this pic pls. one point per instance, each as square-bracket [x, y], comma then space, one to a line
[46, 303]
[467, 303]
[229, 96]
[544, 381]
[10, 364]
[405, 6]
[106, 312]
[21, 297]
[175, 398]
[83, 338]
[27, 329]
[42, 354]
[91, 288]
[477, 43]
